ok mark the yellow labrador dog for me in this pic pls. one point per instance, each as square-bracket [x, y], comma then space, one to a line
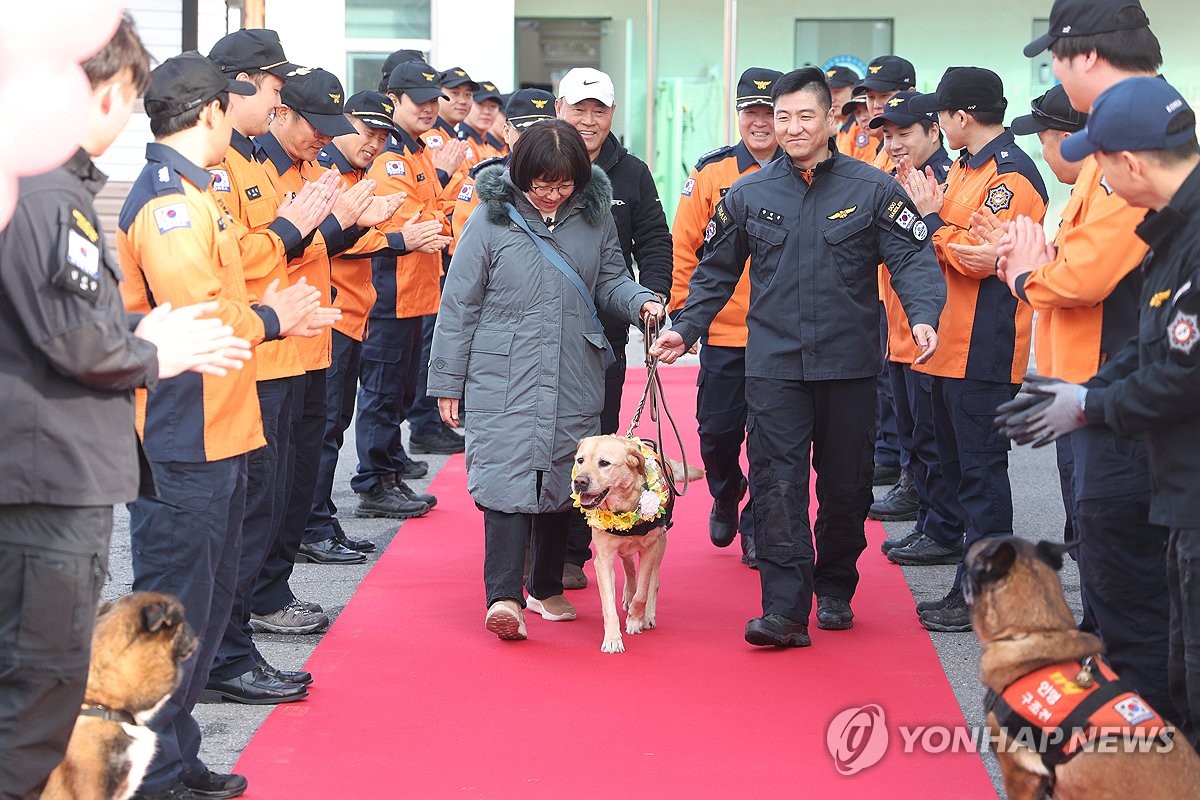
[625, 493]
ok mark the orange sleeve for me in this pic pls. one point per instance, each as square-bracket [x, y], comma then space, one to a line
[390, 178]
[687, 234]
[183, 264]
[464, 204]
[1011, 193]
[1094, 255]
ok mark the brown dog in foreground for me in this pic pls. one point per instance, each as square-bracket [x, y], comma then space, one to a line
[611, 475]
[1021, 617]
[138, 644]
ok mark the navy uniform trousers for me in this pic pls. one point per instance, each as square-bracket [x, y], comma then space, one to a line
[973, 454]
[266, 493]
[786, 422]
[187, 542]
[721, 415]
[341, 386]
[391, 365]
[938, 509]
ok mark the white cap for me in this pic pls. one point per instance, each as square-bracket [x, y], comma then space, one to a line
[585, 83]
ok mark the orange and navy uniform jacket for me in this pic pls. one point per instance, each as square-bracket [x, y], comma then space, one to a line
[353, 291]
[901, 347]
[708, 182]
[265, 241]
[854, 141]
[467, 199]
[178, 244]
[434, 139]
[409, 285]
[1087, 297]
[498, 147]
[984, 331]
[479, 145]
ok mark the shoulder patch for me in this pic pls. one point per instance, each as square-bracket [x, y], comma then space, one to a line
[434, 140]
[688, 186]
[220, 181]
[466, 192]
[861, 139]
[395, 168]
[172, 216]
[1183, 332]
[999, 199]
[83, 254]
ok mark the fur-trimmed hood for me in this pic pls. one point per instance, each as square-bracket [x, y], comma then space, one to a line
[494, 189]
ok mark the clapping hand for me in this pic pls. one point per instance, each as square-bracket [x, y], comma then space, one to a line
[188, 339]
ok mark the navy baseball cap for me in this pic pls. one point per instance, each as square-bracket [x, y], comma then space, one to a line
[837, 77]
[457, 76]
[399, 57]
[859, 98]
[528, 106]
[1134, 115]
[187, 81]
[1087, 18]
[754, 87]
[899, 110]
[488, 91]
[889, 74]
[317, 95]
[416, 79]
[251, 49]
[964, 89]
[374, 109]
[1050, 112]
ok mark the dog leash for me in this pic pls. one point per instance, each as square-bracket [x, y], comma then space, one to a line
[653, 396]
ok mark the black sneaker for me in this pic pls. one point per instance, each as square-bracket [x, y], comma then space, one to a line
[749, 551]
[776, 630]
[834, 614]
[407, 492]
[414, 469]
[898, 505]
[723, 519]
[926, 552]
[932, 605]
[891, 544]
[438, 442]
[176, 792]
[953, 617]
[379, 501]
[216, 785]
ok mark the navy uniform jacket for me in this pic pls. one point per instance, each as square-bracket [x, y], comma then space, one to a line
[1151, 387]
[68, 356]
[814, 253]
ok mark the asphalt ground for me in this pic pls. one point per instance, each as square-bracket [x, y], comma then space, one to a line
[227, 727]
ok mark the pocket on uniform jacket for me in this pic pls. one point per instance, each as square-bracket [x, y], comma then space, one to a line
[489, 371]
[381, 371]
[850, 241]
[766, 246]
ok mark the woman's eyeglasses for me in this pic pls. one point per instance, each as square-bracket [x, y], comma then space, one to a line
[543, 191]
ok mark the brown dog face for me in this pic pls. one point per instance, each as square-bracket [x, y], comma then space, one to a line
[1013, 587]
[610, 472]
[138, 644]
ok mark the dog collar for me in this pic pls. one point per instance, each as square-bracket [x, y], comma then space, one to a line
[110, 714]
[1060, 709]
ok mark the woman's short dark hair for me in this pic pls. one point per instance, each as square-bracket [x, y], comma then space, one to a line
[809, 79]
[551, 150]
[1134, 50]
[165, 126]
[123, 51]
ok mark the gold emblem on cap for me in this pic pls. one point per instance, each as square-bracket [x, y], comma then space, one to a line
[388, 107]
[459, 73]
[895, 101]
[762, 84]
[427, 76]
[873, 70]
[539, 103]
[829, 73]
[337, 98]
[489, 87]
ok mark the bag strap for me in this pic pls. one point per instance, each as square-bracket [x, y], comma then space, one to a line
[555, 258]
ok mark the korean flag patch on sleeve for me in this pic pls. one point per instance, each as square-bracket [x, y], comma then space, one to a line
[395, 168]
[466, 192]
[168, 218]
[688, 186]
[221, 181]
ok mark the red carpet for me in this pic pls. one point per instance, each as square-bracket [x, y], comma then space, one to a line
[414, 699]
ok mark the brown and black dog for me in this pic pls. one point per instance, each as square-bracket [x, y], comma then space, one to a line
[138, 645]
[1022, 620]
[610, 474]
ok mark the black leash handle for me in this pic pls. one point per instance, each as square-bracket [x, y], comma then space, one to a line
[653, 396]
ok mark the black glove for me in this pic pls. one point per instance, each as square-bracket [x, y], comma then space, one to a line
[1046, 409]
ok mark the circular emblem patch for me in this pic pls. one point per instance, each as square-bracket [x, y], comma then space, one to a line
[862, 139]
[920, 231]
[1184, 332]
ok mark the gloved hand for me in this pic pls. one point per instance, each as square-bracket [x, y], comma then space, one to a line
[1045, 409]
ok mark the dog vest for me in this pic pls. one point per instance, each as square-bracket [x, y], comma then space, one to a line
[1069, 705]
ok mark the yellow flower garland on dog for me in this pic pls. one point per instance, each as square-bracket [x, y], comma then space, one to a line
[656, 497]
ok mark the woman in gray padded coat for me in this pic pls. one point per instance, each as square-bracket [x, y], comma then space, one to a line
[517, 346]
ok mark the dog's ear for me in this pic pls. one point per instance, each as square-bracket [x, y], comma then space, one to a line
[158, 615]
[635, 459]
[995, 558]
[1052, 552]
